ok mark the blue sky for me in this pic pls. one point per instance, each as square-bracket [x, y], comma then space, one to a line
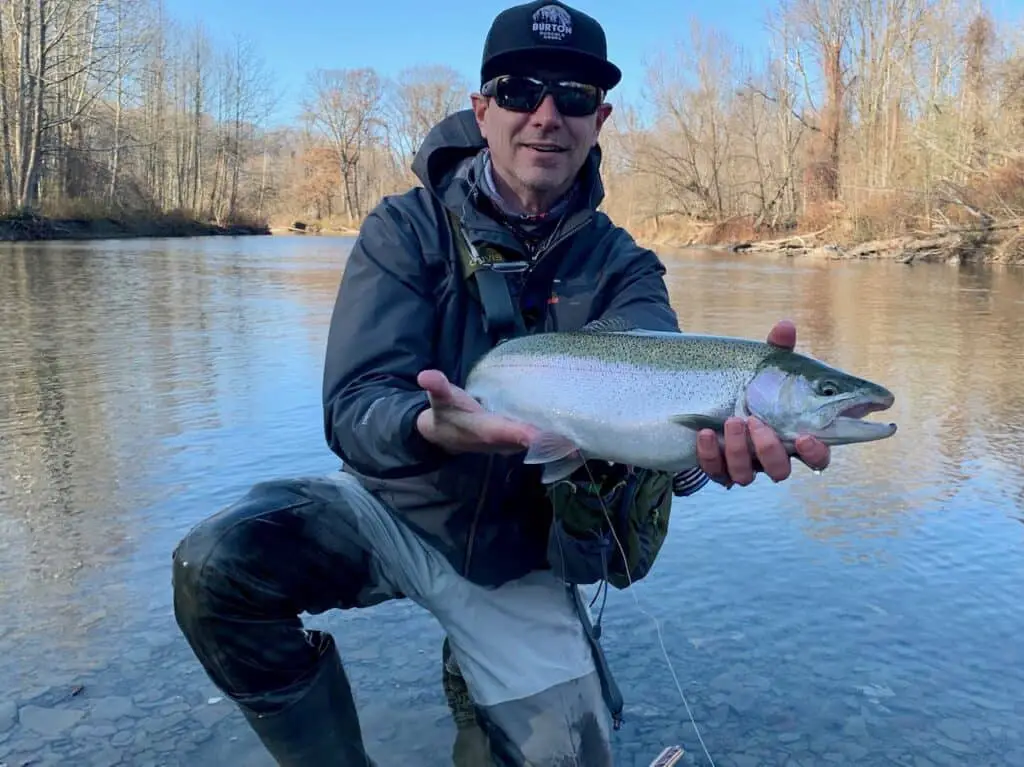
[389, 35]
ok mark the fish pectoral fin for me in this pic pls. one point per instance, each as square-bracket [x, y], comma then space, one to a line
[561, 468]
[698, 421]
[549, 446]
[559, 455]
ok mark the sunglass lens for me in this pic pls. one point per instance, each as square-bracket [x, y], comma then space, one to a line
[575, 100]
[519, 94]
[524, 94]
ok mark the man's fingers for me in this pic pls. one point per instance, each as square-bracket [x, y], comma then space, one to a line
[783, 334]
[813, 452]
[709, 454]
[770, 451]
[737, 452]
[498, 432]
[480, 430]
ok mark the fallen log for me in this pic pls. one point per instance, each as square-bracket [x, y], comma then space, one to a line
[998, 242]
[796, 241]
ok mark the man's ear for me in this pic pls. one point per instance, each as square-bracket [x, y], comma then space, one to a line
[480, 104]
[603, 113]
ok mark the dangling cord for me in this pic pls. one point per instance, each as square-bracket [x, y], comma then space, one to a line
[657, 625]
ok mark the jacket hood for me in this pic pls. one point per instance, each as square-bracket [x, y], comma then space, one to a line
[444, 163]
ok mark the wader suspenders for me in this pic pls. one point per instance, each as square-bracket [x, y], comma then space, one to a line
[502, 319]
[487, 268]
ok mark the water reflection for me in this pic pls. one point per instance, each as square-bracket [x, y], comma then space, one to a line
[147, 383]
[944, 340]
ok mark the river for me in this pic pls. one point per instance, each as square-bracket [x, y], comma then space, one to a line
[869, 615]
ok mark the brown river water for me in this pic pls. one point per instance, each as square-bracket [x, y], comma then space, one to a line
[868, 616]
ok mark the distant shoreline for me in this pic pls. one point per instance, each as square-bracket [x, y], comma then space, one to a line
[316, 229]
[994, 243]
[999, 243]
[37, 228]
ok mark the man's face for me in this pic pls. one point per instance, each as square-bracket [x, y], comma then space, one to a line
[538, 153]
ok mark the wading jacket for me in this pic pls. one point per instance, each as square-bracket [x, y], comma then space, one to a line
[405, 304]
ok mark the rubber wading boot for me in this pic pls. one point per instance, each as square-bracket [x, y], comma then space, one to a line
[321, 729]
[471, 748]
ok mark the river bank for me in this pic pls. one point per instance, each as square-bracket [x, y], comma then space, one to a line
[326, 228]
[1001, 243]
[29, 228]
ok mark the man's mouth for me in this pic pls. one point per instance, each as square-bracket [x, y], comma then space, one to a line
[549, 148]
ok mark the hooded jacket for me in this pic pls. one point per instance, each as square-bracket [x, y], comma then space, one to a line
[404, 305]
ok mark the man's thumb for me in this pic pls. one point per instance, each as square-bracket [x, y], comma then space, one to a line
[436, 384]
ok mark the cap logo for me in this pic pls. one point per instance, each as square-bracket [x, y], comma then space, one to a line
[552, 22]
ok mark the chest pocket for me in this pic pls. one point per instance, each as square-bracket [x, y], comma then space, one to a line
[573, 302]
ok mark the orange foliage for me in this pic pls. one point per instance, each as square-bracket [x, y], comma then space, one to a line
[315, 184]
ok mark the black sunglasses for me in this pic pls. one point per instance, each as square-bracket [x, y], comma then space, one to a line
[524, 94]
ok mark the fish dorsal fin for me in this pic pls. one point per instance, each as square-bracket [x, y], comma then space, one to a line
[615, 324]
[611, 324]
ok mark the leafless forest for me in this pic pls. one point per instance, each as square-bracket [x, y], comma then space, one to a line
[869, 119]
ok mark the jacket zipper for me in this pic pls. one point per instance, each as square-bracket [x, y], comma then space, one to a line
[551, 245]
[490, 458]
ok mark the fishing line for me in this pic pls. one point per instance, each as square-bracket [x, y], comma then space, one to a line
[657, 624]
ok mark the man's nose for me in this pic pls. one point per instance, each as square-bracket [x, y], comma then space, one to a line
[547, 113]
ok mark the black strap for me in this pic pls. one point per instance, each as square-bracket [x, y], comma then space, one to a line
[488, 269]
[500, 316]
[609, 688]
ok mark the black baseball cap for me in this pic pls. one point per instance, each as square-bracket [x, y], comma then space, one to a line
[552, 36]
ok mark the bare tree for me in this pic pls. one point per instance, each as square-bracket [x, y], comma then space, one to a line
[689, 145]
[419, 98]
[345, 107]
[827, 26]
[864, 116]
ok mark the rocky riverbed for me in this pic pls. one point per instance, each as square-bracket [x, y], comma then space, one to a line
[154, 707]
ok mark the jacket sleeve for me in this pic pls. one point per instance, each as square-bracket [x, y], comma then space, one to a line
[380, 338]
[640, 296]
[638, 292]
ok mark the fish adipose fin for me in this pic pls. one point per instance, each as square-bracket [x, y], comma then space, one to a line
[559, 455]
[698, 421]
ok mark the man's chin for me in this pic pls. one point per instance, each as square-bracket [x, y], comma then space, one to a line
[544, 181]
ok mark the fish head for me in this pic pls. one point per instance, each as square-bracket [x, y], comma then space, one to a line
[796, 394]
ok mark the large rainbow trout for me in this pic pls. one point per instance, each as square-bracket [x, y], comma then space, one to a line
[639, 397]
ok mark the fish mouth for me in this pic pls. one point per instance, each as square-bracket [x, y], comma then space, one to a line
[862, 409]
[849, 427]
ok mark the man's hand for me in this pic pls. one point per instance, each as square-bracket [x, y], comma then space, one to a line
[754, 440]
[457, 423]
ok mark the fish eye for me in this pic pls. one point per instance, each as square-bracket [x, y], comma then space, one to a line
[828, 389]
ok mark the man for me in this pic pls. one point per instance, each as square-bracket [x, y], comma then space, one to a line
[434, 503]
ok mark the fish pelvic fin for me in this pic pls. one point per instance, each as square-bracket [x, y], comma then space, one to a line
[559, 455]
[698, 421]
